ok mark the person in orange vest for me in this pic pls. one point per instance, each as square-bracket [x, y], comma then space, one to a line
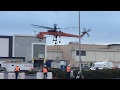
[68, 70]
[45, 70]
[17, 70]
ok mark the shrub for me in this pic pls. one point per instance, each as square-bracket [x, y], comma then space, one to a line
[54, 71]
[100, 74]
[61, 74]
[30, 72]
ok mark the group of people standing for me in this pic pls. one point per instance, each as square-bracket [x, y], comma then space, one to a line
[45, 71]
[68, 71]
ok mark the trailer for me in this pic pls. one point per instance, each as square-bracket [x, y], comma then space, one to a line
[102, 65]
[10, 67]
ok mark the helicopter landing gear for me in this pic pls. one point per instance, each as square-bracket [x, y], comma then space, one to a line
[59, 41]
[39, 39]
[55, 42]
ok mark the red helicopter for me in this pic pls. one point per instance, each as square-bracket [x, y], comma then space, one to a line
[53, 31]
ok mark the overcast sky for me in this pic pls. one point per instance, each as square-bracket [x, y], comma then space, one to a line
[104, 25]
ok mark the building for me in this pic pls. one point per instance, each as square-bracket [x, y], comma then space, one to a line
[90, 53]
[25, 47]
[30, 47]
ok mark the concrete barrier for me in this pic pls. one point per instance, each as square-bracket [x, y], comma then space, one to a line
[49, 75]
[12, 76]
[39, 75]
[1, 75]
[21, 76]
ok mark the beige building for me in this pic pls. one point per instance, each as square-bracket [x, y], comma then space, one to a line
[89, 53]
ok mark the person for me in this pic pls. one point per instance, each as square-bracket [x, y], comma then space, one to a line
[68, 70]
[45, 70]
[17, 70]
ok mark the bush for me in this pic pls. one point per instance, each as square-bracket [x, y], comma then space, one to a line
[61, 74]
[30, 72]
[75, 72]
[100, 74]
[54, 71]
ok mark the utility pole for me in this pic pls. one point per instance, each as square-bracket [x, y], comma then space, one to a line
[79, 75]
[79, 45]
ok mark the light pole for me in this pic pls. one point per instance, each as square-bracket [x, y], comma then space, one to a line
[80, 69]
[79, 45]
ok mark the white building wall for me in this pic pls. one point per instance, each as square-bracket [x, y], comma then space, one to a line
[117, 56]
[83, 58]
[73, 55]
[77, 58]
[110, 56]
[4, 47]
[94, 56]
[49, 55]
[90, 56]
[100, 55]
[54, 55]
[113, 56]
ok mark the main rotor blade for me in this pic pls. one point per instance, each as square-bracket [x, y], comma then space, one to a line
[69, 27]
[57, 28]
[84, 29]
[38, 26]
[88, 35]
[88, 30]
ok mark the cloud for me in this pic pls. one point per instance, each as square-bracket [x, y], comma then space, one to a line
[104, 25]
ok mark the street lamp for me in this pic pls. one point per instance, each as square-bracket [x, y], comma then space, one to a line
[79, 45]
[80, 60]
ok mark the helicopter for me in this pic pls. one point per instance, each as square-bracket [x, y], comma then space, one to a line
[56, 32]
